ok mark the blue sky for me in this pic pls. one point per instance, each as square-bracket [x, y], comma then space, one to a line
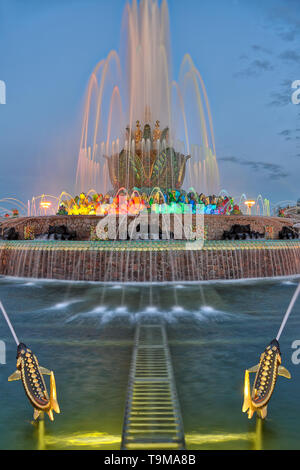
[247, 52]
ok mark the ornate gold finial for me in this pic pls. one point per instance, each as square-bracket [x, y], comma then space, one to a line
[156, 132]
[138, 133]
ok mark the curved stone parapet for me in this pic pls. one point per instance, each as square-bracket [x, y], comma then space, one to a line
[83, 224]
[149, 261]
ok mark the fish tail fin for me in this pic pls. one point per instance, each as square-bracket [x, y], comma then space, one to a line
[284, 372]
[45, 371]
[247, 393]
[36, 414]
[263, 412]
[53, 396]
[15, 376]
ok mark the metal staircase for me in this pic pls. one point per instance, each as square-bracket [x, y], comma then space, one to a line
[152, 416]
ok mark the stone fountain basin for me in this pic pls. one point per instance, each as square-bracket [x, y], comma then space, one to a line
[214, 224]
[149, 261]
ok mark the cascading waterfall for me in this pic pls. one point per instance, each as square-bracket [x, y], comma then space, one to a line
[238, 261]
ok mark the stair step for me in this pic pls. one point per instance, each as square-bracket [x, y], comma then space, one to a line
[152, 417]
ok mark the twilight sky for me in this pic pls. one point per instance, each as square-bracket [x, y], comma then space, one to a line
[246, 50]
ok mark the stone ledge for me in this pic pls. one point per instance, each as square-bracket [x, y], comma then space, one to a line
[215, 224]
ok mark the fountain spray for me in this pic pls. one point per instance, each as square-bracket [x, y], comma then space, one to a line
[31, 374]
[267, 371]
[288, 312]
[9, 323]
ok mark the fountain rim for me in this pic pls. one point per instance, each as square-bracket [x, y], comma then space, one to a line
[247, 280]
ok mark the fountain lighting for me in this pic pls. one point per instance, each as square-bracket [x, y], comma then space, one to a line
[158, 201]
[41, 204]
[250, 203]
[45, 205]
[12, 207]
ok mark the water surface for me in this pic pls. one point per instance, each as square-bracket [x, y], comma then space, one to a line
[84, 332]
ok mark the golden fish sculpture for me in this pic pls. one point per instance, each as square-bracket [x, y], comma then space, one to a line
[267, 371]
[31, 374]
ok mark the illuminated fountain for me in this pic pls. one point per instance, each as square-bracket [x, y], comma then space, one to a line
[132, 92]
[150, 140]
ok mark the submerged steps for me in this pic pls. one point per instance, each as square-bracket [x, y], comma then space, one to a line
[152, 415]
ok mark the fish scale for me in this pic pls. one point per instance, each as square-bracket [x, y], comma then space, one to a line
[152, 416]
[34, 384]
[266, 377]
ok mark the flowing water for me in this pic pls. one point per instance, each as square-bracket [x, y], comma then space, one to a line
[84, 332]
[136, 83]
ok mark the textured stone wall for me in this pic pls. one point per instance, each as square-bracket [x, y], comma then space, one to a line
[215, 224]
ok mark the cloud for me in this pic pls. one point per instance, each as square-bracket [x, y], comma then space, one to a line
[283, 96]
[285, 133]
[263, 65]
[255, 66]
[262, 49]
[273, 170]
[229, 159]
[284, 17]
[290, 56]
[289, 36]
[279, 99]
[290, 134]
[254, 69]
